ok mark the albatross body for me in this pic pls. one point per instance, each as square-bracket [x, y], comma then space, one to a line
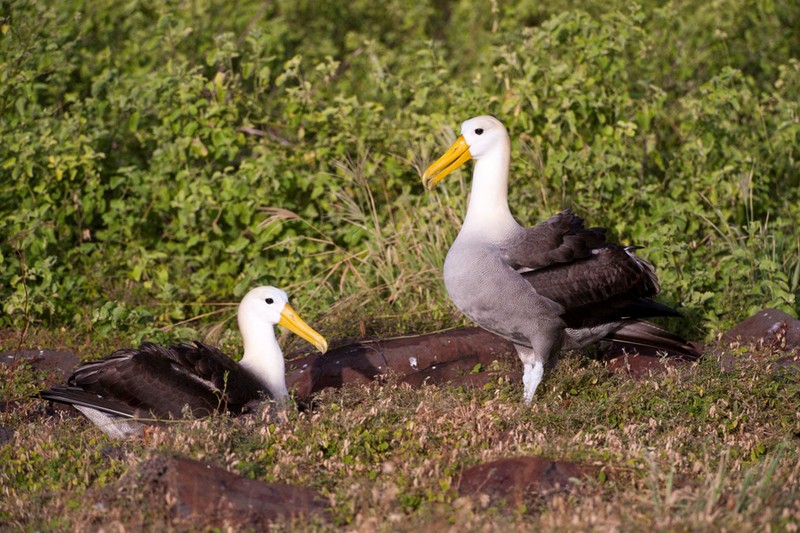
[558, 285]
[158, 382]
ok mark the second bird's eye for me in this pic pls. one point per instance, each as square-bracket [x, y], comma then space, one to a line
[479, 131]
[269, 300]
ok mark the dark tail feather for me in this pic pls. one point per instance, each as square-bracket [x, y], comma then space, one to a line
[645, 307]
[642, 333]
[78, 396]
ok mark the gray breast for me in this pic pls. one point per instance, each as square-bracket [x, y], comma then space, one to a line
[494, 295]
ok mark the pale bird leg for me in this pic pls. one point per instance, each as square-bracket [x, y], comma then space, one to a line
[531, 379]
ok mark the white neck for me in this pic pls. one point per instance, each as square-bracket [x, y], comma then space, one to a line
[488, 210]
[263, 356]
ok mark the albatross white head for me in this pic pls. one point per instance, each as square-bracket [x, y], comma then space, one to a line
[261, 309]
[485, 140]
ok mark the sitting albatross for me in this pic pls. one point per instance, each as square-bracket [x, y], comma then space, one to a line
[157, 382]
[558, 285]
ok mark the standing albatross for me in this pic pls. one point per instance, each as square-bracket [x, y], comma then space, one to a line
[558, 285]
[158, 382]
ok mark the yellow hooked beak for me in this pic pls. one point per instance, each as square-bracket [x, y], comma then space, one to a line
[292, 321]
[454, 157]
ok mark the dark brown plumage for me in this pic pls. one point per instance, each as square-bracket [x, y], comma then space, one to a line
[156, 382]
[558, 240]
[163, 381]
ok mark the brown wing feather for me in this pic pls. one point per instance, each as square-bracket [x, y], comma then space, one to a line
[163, 381]
[79, 397]
[612, 283]
[560, 239]
[641, 333]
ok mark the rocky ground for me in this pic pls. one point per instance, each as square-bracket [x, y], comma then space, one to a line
[202, 492]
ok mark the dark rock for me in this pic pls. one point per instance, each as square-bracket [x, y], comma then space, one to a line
[768, 328]
[210, 496]
[57, 364]
[53, 365]
[520, 480]
[6, 434]
[432, 358]
[8, 406]
[791, 363]
[113, 452]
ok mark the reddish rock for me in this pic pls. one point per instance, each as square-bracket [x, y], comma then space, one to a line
[617, 349]
[436, 358]
[638, 362]
[432, 358]
[639, 366]
[769, 328]
[520, 480]
[210, 496]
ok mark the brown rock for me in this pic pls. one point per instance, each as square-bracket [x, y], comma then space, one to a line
[432, 358]
[520, 480]
[467, 380]
[437, 358]
[639, 366]
[769, 328]
[57, 364]
[210, 496]
[54, 365]
[618, 349]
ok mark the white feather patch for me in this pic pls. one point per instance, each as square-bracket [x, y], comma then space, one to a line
[115, 427]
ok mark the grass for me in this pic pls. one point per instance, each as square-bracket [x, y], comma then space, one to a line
[391, 281]
[691, 449]
[163, 161]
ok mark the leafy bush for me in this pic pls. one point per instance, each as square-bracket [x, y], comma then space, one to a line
[182, 154]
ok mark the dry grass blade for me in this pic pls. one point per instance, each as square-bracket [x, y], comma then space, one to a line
[276, 214]
[226, 308]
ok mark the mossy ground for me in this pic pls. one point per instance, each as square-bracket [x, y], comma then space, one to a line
[695, 448]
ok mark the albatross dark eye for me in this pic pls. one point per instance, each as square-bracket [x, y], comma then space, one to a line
[479, 131]
[269, 300]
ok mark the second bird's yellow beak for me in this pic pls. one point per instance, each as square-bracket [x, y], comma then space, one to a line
[292, 321]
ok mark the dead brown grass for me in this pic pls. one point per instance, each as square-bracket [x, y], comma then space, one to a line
[695, 449]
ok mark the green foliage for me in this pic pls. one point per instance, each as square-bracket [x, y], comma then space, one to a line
[160, 158]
